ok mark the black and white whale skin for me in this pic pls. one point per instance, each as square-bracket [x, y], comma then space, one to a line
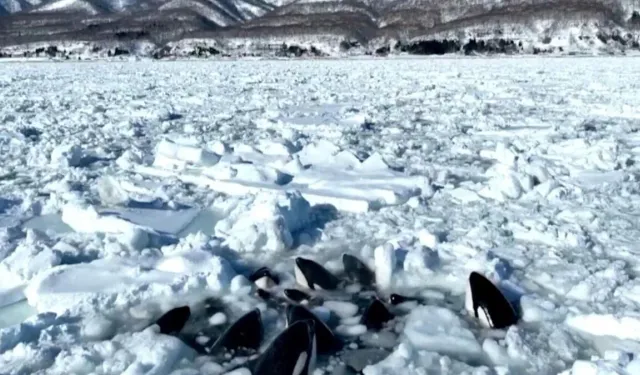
[263, 278]
[376, 315]
[293, 352]
[264, 294]
[327, 342]
[297, 296]
[245, 334]
[486, 302]
[356, 271]
[174, 320]
[279, 302]
[312, 275]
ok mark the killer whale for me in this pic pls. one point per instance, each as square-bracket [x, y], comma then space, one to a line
[356, 271]
[312, 275]
[485, 302]
[327, 342]
[376, 315]
[296, 295]
[292, 352]
[263, 278]
[174, 320]
[245, 334]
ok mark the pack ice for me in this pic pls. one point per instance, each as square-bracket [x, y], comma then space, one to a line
[128, 190]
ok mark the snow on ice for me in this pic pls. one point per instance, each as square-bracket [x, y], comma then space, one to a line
[128, 189]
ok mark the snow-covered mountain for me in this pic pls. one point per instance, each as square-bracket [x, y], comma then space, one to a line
[240, 9]
[321, 27]
[14, 6]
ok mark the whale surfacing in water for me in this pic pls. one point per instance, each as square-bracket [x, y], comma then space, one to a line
[486, 303]
[326, 341]
[263, 278]
[293, 352]
[376, 315]
[296, 295]
[312, 275]
[174, 320]
[245, 334]
[356, 271]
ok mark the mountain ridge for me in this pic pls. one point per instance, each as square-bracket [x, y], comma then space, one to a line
[279, 27]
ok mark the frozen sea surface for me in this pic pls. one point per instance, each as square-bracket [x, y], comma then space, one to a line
[127, 189]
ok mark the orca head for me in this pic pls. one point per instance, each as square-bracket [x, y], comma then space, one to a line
[485, 302]
[263, 294]
[292, 352]
[244, 334]
[312, 275]
[326, 340]
[174, 320]
[263, 278]
[296, 295]
[484, 317]
[357, 271]
[376, 315]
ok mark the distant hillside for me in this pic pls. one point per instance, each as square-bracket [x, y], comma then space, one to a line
[165, 28]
